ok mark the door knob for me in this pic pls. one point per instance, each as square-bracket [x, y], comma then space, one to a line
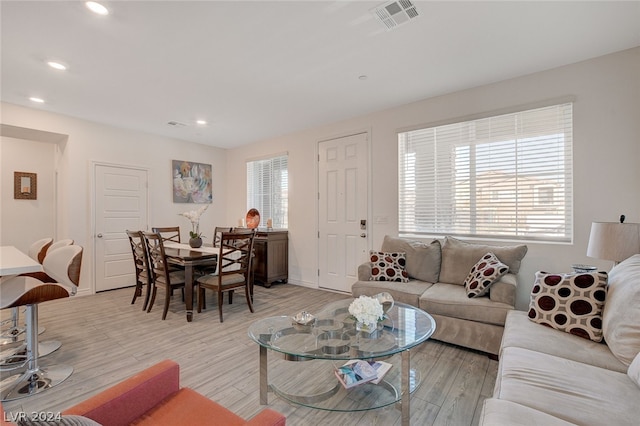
[99, 235]
[363, 235]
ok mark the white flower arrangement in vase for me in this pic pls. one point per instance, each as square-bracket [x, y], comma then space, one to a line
[194, 217]
[367, 311]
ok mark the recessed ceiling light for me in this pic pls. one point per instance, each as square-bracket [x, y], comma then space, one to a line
[57, 65]
[37, 100]
[96, 7]
[201, 122]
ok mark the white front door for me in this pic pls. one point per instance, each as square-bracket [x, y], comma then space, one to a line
[120, 204]
[343, 210]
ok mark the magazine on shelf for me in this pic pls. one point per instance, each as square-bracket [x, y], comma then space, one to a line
[381, 368]
[356, 372]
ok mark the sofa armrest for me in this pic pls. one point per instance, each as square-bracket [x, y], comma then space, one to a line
[364, 271]
[504, 290]
[267, 417]
[127, 401]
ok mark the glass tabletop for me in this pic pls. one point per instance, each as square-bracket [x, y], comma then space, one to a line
[334, 336]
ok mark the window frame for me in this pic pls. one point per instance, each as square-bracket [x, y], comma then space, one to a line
[422, 165]
[277, 200]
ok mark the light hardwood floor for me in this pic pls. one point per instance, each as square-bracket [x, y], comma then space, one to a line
[106, 339]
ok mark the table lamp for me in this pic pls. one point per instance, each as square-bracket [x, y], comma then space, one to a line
[614, 240]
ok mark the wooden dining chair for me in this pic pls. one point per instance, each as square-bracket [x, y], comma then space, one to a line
[160, 273]
[62, 268]
[168, 233]
[234, 269]
[141, 264]
[217, 234]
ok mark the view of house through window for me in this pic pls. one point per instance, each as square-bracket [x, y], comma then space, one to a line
[267, 189]
[505, 177]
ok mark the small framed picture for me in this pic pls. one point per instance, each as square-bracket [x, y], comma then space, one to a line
[25, 186]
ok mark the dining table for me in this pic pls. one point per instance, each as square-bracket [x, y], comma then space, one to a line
[188, 257]
[15, 262]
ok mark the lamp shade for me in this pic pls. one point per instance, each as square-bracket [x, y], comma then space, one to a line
[614, 241]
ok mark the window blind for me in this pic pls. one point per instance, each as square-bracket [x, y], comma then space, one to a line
[507, 177]
[267, 189]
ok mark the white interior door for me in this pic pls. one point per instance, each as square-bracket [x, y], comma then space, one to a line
[343, 210]
[120, 204]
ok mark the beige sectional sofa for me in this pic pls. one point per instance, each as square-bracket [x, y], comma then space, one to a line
[437, 271]
[550, 377]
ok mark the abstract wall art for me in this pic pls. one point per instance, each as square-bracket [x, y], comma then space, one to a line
[191, 182]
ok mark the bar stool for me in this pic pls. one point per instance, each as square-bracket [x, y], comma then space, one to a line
[14, 358]
[63, 266]
[37, 251]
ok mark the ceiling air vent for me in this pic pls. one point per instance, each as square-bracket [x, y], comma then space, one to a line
[395, 13]
[176, 124]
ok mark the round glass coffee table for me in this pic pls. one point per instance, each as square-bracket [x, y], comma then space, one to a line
[330, 342]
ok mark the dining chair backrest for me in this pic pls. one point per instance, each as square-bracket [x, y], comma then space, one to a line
[217, 234]
[38, 250]
[58, 244]
[140, 256]
[157, 258]
[63, 265]
[235, 252]
[168, 233]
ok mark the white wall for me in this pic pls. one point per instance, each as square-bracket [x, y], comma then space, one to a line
[88, 142]
[606, 157]
[36, 216]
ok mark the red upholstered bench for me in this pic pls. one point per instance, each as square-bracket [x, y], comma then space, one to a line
[154, 397]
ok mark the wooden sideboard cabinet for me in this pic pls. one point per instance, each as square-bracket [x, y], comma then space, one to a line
[271, 263]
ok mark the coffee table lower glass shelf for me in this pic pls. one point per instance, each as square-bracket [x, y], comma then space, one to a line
[315, 385]
[304, 374]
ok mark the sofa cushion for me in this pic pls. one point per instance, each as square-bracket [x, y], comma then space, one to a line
[570, 302]
[634, 370]
[468, 333]
[575, 392]
[451, 300]
[484, 273]
[504, 290]
[520, 332]
[621, 314]
[124, 402]
[388, 266]
[423, 259]
[458, 257]
[502, 412]
[408, 293]
[188, 407]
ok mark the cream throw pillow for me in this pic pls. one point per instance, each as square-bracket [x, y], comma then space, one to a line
[634, 370]
[621, 317]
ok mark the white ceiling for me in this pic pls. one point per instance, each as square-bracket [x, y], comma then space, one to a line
[256, 70]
